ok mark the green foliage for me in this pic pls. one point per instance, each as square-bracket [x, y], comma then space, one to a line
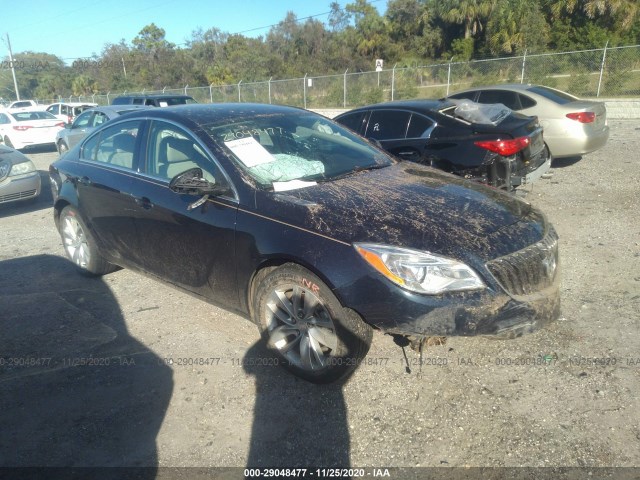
[462, 49]
[409, 33]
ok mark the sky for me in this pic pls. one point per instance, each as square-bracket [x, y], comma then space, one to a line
[74, 29]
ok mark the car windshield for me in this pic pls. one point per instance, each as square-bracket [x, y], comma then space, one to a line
[26, 116]
[554, 95]
[285, 151]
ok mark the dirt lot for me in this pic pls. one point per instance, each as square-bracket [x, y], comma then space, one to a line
[126, 371]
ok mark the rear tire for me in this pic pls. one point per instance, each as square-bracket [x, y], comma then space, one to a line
[80, 246]
[303, 322]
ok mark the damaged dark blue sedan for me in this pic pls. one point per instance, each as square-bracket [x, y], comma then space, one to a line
[313, 233]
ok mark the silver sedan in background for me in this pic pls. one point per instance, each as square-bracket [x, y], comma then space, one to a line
[19, 179]
[572, 127]
[86, 122]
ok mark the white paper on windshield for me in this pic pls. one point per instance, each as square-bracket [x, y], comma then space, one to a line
[291, 185]
[249, 151]
[163, 104]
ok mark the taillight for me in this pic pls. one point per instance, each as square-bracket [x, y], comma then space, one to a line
[506, 148]
[21, 128]
[582, 117]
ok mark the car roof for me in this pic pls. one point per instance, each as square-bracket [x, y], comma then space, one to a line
[204, 113]
[155, 95]
[74, 104]
[418, 105]
[119, 108]
[504, 86]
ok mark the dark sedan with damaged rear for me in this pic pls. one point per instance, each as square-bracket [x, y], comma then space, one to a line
[296, 223]
[487, 143]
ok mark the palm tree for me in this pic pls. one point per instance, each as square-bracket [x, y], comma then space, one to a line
[470, 13]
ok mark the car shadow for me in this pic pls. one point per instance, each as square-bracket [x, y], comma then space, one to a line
[76, 389]
[41, 202]
[565, 162]
[47, 148]
[296, 424]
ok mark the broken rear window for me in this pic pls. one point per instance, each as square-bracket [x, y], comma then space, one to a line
[479, 113]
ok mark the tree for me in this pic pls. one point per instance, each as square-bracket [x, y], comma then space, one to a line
[516, 26]
[472, 14]
[338, 19]
[84, 85]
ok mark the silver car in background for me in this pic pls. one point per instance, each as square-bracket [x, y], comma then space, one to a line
[572, 127]
[19, 179]
[86, 122]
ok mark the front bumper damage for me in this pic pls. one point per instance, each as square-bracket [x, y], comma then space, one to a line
[522, 295]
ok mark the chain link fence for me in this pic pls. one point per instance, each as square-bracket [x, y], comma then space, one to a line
[608, 72]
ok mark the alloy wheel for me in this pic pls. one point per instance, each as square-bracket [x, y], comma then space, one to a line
[301, 327]
[75, 242]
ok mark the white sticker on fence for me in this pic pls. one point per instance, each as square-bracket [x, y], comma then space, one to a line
[249, 151]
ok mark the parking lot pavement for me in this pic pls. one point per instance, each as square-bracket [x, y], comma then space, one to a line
[124, 370]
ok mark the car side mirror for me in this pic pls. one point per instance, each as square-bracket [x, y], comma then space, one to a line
[192, 182]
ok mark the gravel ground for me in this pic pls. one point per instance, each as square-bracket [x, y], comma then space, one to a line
[124, 370]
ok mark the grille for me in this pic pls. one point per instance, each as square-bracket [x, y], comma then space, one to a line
[17, 196]
[528, 270]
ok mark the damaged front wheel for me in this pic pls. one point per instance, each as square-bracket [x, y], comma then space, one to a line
[300, 318]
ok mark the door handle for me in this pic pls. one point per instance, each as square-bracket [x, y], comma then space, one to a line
[144, 202]
[85, 180]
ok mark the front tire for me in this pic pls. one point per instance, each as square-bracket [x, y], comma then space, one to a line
[79, 245]
[303, 322]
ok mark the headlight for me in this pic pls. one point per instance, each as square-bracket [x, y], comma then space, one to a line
[22, 168]
[418, 271]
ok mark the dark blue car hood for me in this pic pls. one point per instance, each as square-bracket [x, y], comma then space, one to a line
[413, 206]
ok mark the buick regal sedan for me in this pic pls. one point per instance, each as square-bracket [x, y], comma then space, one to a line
[307, 229]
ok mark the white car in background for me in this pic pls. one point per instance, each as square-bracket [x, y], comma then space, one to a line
[25, 106]
[68, 111]
[28, 128]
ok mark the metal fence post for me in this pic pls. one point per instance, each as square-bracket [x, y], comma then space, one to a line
[344, 89]
[108, 102]
[449, 76]
[304, 90]
[393, 81]
[185, 88]
[270, 90]
[211, 93]
[524, 60]
[163, 89]
[239, 97]
[604, 57]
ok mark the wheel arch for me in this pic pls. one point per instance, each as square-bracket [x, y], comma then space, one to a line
[272, 263]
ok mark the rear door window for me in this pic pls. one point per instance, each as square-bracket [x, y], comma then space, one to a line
[355, 121]
[419, 126]
[388, 124]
